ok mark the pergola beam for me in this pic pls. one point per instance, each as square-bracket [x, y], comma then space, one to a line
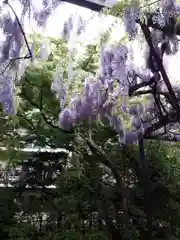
[93, 5]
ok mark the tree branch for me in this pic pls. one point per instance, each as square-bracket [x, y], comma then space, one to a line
[27, 120]
[44, 116]
[22, 31]
[173, 98]
[105, 160]
[171, 118]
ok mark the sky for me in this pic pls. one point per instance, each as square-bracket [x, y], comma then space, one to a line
[94, 26]
[97, 25]
[55, 23]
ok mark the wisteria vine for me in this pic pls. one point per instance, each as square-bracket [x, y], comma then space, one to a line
[107, 96]
[99, 101]
[10, 55]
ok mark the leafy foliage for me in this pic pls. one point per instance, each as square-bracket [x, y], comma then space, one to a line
[100, 188]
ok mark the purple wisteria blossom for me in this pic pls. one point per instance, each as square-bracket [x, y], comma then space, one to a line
[7, 94]
[135, 101]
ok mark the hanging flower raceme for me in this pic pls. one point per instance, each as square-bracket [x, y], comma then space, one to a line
[130, 16]
[67, 28]
[86, 108]
[58, 86]
[10, 52]
[42, 14]
[44, 51]
[7, 94]
[80, 25]
[106, 67]
[113, 65]
[11, 46]
[169, 9]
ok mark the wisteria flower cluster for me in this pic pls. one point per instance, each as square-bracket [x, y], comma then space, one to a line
[7, 94]
[120, 79]
[109, 94]
[100, 94]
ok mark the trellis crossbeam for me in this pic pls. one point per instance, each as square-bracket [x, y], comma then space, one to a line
[95, 5]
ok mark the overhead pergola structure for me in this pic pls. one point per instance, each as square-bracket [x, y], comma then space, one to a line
[95, 5]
